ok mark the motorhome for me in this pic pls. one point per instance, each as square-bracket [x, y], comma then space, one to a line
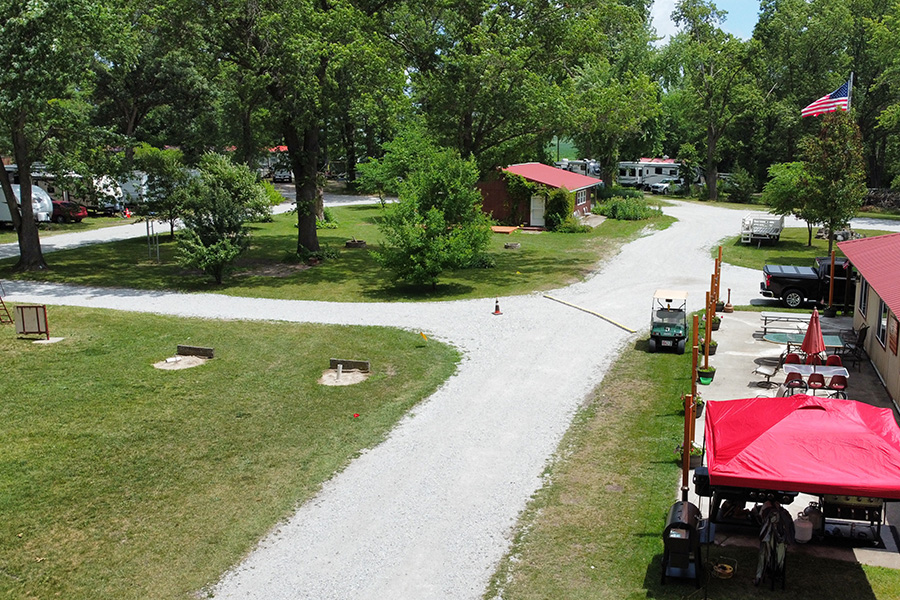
[41, 204]
[645, 172]
[588, 167]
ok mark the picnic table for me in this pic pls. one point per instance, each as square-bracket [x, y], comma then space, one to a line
[773, 318]
[807, 370]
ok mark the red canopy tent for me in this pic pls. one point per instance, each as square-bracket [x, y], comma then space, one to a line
[804, 444]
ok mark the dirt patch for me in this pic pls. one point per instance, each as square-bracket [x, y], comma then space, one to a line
[348, 377]
[180, 362]
[269, 269]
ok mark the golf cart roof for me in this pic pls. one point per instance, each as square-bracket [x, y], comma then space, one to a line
[669, 295]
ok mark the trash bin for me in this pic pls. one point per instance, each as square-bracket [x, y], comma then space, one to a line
[681, 543]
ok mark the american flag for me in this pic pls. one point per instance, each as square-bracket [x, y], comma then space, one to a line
[836, 100]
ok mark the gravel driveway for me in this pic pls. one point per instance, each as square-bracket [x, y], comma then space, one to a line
[429, 512]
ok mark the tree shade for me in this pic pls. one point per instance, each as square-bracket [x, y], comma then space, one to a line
[804, 444]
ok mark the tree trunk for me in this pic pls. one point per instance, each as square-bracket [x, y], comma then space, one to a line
[712, 172]
[31, 258]
[304, 156]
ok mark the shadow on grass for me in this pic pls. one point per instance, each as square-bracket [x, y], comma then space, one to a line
[807, 577]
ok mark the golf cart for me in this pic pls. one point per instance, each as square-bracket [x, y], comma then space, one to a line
[668, 321]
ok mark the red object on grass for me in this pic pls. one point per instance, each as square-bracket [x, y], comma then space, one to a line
[804, 444]
[355, 415]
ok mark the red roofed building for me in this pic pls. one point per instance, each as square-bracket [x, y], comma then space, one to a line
[877, 260]
[499, 204]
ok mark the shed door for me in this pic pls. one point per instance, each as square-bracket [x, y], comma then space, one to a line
[537, 211]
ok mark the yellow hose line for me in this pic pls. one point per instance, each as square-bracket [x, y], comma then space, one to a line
[590, 312]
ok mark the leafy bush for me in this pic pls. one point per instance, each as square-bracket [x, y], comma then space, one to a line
[741, 186]
[559, 206]
[571, 225]
[627, 209]
[607, 192]
[329, 222]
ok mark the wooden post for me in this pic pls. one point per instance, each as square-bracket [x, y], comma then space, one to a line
[695, 348]
[687, 443]
[708, 333]
[831, 283]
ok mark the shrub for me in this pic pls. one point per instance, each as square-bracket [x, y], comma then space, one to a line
[741, 186]
[571, 225]
[559, 207]
[627, 209]
[607, 192]
[329, 222]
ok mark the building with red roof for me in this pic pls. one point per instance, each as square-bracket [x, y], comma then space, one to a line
[501, 206]
[877, 259]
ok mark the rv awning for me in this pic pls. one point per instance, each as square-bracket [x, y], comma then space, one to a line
[804, 444]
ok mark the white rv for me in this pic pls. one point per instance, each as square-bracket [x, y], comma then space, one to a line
[583, 167]
[108, 197]
[645, 172]
[41, 204]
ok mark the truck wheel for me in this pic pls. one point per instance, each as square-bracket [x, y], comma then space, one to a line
[680, 348]
[792, 298]
[652, 345]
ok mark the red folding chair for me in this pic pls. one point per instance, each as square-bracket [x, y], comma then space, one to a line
[815, 381]
[794, 382]
[838, 385]
[834, 360]
[813, 359]
[792, 359]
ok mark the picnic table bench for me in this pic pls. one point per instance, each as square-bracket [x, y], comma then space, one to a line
[773, 318]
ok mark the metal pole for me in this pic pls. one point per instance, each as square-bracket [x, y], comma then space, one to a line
[831, 283]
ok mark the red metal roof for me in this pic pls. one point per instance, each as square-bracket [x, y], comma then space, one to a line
[553, 177]
[878, 260]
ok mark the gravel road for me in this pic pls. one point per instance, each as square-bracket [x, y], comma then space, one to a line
[429, 512]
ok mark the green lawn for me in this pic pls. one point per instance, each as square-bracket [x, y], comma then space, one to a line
[792, 249]
[121, 481]
[594, 532]
[8, 234]
[544, 261]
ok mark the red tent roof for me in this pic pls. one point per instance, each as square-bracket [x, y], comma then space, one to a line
[878, 260]
[553, 177]
[804, 444]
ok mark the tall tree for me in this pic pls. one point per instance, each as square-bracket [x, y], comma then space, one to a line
[46, 53]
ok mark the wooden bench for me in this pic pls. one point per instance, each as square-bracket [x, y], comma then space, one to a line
[773, 318]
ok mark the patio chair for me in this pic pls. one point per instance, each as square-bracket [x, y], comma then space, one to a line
[855, 351]
[814, 359]
[834, 360]
[794, 383]
[792, 359]
[838, 386]
[815, 381]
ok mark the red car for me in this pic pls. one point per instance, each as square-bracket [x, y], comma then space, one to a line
[65, 211]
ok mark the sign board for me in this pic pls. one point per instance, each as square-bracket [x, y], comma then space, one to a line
[32, 319]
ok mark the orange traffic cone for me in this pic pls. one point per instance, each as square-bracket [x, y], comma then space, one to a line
[497, 308]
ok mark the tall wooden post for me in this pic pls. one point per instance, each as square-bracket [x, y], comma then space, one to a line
[831, 283]
[707, 334]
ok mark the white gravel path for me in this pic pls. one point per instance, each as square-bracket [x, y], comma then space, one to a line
[428, 513]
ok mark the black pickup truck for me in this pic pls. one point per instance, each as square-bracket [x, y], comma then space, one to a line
[796, 285]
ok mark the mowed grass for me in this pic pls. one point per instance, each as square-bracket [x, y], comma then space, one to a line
[122, 481]
[8, 234]
[543, 261]
[595, 530]
[791, 249]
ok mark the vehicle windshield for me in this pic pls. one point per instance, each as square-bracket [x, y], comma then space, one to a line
[670, 317]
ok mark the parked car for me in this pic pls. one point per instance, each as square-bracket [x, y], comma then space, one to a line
[282, 175]
[65, 211]
[666, 186]
[797, 285]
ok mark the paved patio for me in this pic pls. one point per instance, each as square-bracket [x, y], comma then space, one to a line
[740, 349]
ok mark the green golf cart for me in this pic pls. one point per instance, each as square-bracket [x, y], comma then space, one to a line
[668, 321]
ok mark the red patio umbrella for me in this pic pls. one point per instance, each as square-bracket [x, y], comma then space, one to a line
[813, 343]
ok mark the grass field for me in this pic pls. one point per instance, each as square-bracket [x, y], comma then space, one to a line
[792, 249]
[544, 261]
[121, 481]
[594, 532]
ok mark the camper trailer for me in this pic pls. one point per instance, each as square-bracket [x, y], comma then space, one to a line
[645, 172]
[41, 204]
[583, 167]
[107, 197]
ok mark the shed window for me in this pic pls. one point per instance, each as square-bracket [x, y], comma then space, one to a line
[881, 329]
[863, 296]
[581, 197]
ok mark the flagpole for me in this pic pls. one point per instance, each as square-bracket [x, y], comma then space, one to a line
[850, 92]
